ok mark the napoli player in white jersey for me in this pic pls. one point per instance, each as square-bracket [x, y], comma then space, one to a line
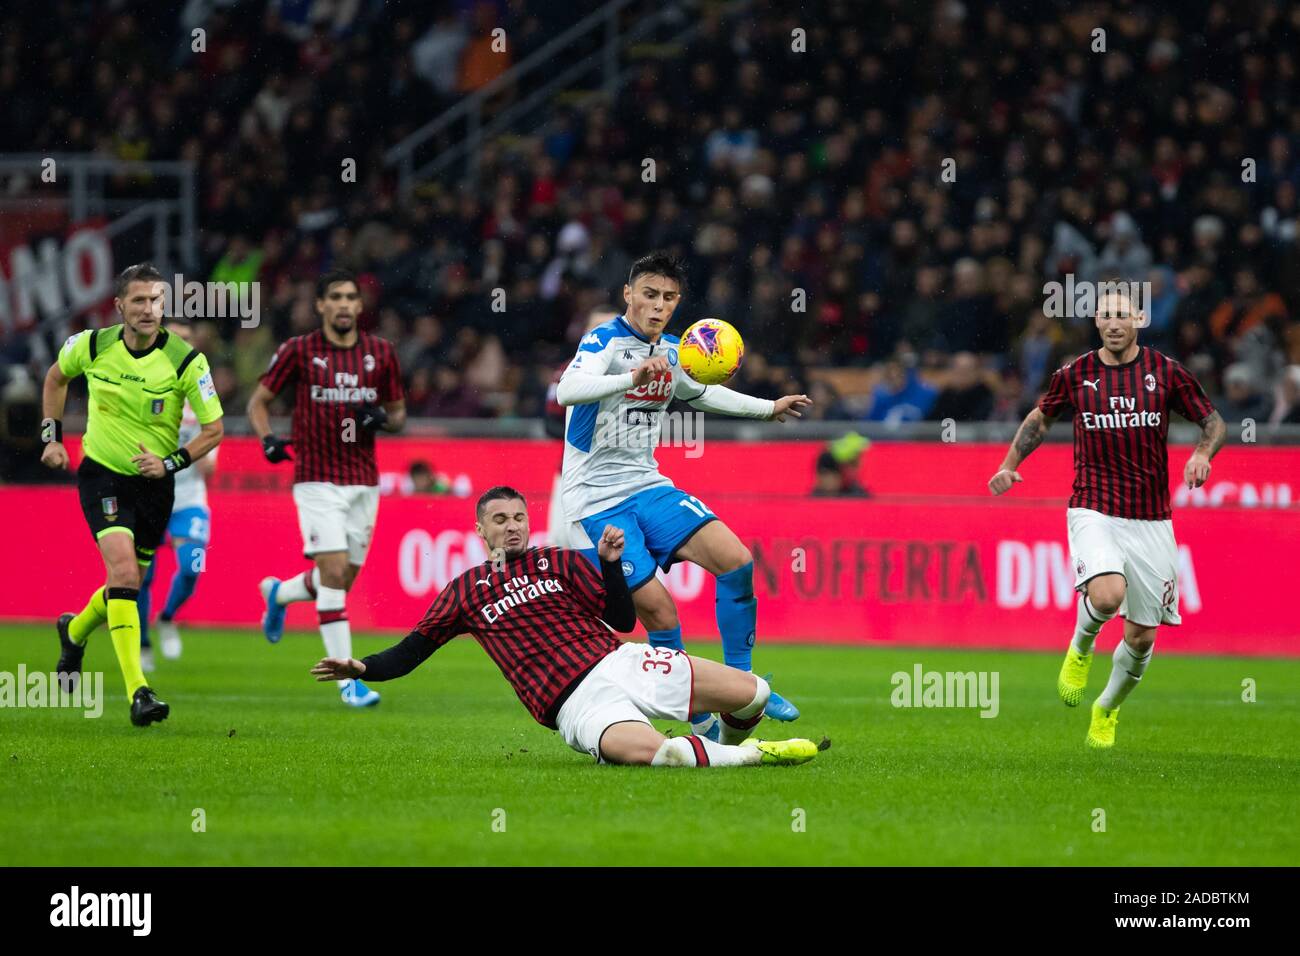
[188, 530]
[616, 389]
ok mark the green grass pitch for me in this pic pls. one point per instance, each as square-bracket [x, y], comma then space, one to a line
[285, 774]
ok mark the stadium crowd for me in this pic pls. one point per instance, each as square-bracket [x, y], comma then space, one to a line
[877, 210]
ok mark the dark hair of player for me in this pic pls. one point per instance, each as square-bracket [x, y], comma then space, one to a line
[497, 493]
[140, 272]
[660, 264]
[329, 278]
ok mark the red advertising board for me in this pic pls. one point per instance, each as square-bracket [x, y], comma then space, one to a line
[1243, 475]
[908, 570]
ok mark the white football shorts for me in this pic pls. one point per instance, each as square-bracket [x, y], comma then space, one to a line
[336, 517]
[1143, 551]
[634, 683]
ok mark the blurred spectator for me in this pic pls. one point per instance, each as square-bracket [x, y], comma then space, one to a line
[832, 481]
[1249, 306]
[1242, 398]
[901, 397]
[1286, 410]
[425, 481]
[965, 398]
[1124, 257]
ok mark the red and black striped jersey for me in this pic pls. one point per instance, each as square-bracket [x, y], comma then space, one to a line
[1121, 428]
[538, 618]
[331, 383]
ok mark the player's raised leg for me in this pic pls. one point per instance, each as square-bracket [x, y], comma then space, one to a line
[279, 594]
[1098, 603]
[718, 550]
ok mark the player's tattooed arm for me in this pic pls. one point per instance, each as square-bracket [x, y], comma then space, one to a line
[1213, 435]
[1029, 436]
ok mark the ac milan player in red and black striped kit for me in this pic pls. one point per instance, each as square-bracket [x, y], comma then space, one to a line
[346, 386]
[540, 614]
[1120, 531]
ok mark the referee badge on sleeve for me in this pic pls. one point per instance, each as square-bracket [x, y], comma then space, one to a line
[157, 406]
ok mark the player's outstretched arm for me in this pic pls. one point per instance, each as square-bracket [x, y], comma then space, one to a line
[397, 661]
[1029, 436]
[54, 395]
[728, 401]
[1213, 435]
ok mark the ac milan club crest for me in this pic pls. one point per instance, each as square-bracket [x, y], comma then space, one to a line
[1150, 382]
[543, 564]
[369, 363]
[1079, 567]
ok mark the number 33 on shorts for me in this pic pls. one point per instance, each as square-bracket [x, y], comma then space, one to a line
[658, 657]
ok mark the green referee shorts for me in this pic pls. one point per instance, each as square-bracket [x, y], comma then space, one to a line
[112, 501]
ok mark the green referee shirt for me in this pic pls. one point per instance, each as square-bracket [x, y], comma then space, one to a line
[137, 398]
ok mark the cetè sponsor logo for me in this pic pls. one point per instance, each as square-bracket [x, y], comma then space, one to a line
[658, 389]
[133, 910]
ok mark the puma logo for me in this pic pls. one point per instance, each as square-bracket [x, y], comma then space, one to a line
[317, 360]
[1092, 385]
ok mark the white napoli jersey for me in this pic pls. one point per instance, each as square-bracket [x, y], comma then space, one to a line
[191, 489]
[609, 443]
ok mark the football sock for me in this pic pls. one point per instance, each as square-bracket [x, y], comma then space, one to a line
[1125, 673]
[183, 582]
[146, 584]
[673, 638]
[736, 726]
[737, 613]
[124, 628]
[702, 752]
[300, 587]
[1088, 622]
[92, 615]
[331, 610]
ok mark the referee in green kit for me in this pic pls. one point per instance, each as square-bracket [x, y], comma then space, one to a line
[138, 378]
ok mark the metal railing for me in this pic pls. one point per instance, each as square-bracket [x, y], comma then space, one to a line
[87, 195]
[536, 74]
